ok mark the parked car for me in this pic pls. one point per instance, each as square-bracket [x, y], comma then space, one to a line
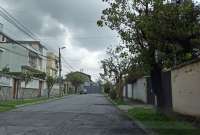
[84, 91]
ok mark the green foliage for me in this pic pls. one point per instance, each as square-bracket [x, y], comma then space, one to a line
[120, 102]
[113, 94]
[162, 124]
[155, 25]
[11, 104]
[50, 81]
[5, 70]
[107, 87]
[117, 65]
[77, 79]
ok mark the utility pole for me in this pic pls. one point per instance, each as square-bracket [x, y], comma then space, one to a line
[60, 71]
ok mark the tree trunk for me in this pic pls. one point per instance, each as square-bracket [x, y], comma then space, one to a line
[156, 78]
[76, 89]
[49, 91]
[120, 88]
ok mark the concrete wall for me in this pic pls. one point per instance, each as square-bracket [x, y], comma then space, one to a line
[137, 90]
[130, 90]
[6, 93]
[140, 90]
[55, 90]
[30, 91]
[186, 89]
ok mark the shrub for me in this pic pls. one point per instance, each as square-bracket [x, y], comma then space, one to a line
[113, 94]
[107, 88]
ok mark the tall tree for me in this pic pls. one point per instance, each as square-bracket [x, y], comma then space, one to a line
[157, 32]
[151, 26]
[50, 81]
[77, 79]
[116, 66]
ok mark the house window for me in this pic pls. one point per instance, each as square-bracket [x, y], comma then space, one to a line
[3, 39]
[33, 59]
[40, 63]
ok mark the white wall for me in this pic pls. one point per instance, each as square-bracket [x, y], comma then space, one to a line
[130, 90]
[33, 84]
[140, 90]
[137, 90]
[124, 91]
[6, 81]
[186, 89]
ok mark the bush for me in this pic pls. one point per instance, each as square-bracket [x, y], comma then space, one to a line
[113, 94]
[107, 88]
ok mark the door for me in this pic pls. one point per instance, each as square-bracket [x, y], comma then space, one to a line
[40, 88]
[16, 87]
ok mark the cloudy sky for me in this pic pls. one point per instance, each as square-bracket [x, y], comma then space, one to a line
[70, 23]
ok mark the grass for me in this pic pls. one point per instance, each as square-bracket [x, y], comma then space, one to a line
[119, 102]
[162, 124]
[11, 104]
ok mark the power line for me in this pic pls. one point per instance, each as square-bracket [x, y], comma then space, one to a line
[73, 69]
[10, 20]
[8, 17]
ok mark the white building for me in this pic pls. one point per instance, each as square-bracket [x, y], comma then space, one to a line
[21, 55]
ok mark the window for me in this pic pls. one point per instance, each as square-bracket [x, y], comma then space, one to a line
[33, 59]
[1, 55]
[3, 39]
[40, 63]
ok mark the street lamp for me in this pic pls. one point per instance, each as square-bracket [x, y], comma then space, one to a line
[60, 70]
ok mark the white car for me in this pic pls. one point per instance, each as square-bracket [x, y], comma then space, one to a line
[84, 91]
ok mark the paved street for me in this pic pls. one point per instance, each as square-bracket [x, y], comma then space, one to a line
[73, 115]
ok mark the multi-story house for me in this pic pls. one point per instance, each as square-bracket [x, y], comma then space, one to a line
[37, 55]
[21, 55]
[52, 64]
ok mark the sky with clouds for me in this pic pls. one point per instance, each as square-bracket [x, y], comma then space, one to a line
[70, 23]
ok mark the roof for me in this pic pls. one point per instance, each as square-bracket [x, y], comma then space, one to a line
[29, 42]
[83, 74]
[185, 64]
[52, 55]
[22, 42]
[7, 36]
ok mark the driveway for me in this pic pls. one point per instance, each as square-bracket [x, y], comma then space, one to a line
[88, 114]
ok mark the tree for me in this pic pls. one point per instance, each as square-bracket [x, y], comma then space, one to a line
[77, 79]
[107, 87]
[159, 33]
[151, 26]
[50, 81]
[116, 66]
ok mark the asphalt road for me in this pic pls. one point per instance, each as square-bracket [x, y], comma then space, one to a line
[88, 114]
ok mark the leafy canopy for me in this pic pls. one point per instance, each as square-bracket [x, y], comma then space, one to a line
[76, 78]
[147, 26]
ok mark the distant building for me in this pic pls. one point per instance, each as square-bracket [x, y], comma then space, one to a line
[88, 79]
[52, 64]
[71, 89]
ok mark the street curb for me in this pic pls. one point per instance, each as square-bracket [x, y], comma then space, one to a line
[138, 123]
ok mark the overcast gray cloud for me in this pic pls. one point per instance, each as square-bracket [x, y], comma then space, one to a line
[71, 22]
